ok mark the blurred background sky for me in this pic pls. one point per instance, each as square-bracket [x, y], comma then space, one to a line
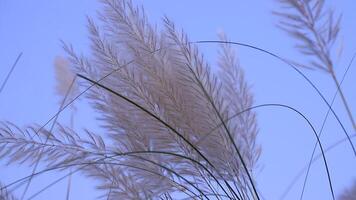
[36, 27]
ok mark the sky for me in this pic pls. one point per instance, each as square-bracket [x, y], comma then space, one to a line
[36, 28]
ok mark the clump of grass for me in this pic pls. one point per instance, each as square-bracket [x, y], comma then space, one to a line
[157, 111]
[170, 123]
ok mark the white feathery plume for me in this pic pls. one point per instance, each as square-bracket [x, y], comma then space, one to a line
[65, 78]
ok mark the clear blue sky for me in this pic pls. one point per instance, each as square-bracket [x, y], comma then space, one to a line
[35, 27]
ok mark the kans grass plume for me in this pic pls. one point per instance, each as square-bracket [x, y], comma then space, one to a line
[316, 29]
[65, 87]
[138, 156]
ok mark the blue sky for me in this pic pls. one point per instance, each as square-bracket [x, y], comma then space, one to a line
[35, 28]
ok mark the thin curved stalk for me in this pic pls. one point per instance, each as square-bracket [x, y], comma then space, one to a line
[321, 129]
[305, 168]
[305, 118]
[298, 71]
[338, 91]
